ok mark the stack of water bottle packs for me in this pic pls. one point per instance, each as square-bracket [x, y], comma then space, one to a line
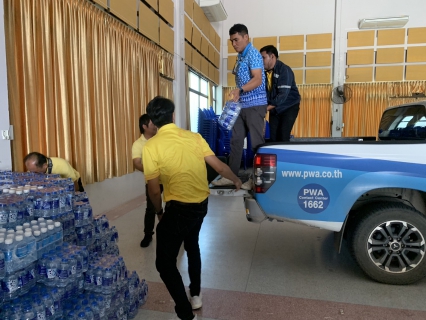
[207, 126]
[57, 261]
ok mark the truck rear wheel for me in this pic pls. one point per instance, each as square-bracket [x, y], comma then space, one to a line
[389, 243]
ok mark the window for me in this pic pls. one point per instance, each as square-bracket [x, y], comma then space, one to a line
[198, 98]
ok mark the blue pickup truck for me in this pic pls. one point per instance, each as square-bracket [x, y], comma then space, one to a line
[371, 193]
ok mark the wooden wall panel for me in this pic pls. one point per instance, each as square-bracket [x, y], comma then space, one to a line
[391, 36]
[188, 54]
[211, 53]
[390, 55]
[318, 41]
[416, 72]
[318, 76]
[365, 56]
[102, 3]
[231, 62]
[204, 67]
[196, 38]
[231, 80]
[389, 73]
[217, 43]
[211, 71]
[189, 7]
[204, 46]
[196, 60]
[206, 26]
[153, 4]
[416, 54]
[364, 74]
[288, 43]
[318, 59]
[188, 29]
[212, 35]
[216, 59]
[198, 16]
[298, 76]
[149, 23]
[361, 38]
[258, 43]
[126, 10]
[167, 10]
[417, 35]
[294, 60]
[167, 36]
[216, 76]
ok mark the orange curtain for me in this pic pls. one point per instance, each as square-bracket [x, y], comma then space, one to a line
[225, 94]
[166, 88]
[78, 81]
[362, 113]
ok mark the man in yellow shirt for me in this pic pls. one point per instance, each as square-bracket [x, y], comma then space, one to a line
[148, 130]
[178, 157]
[39, 163]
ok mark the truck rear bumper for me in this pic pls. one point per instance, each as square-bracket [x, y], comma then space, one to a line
[253, 212]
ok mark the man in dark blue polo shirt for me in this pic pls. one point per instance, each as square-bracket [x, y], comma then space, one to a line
[251, 92]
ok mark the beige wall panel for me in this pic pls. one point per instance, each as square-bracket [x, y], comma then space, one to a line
[360, 57]
[416, 54]
[390, 55]
[318, 59]
[217, 43]
[166, 10]
[389, 73]
[318, 41]
[196, 38]
[216, 59]
[204, 67]
[258, 43]
[102, 3]
[188, 54]
[189, 7]
[153, 4]
[196, 60]
[391, 36]
[288, 43]
[149, 23]
[206, 26]
[211, 72]
[167, 36]
[212, 35]
[231, 62]
[298, 76]
[359, 74]
[361, 38]
[126, 10]
[294, 60]
[211, 53]
[204, 46]
[217, 76]
[188, 29]
[417, 35]
[231, 80]
[318, 76]
[199, 15]
[417, 72]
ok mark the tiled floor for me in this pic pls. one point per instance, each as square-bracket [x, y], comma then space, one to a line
[266, 271]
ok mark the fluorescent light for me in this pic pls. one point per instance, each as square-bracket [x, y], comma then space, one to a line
[378, 23]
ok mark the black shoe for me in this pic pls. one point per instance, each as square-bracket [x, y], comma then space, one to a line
[146, 240]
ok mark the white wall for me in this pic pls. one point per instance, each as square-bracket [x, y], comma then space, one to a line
[5, 151]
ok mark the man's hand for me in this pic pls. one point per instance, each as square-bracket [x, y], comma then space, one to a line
[235, 95]
[270, 107]
[237, 182]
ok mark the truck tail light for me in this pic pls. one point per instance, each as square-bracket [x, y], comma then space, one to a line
[265, 171]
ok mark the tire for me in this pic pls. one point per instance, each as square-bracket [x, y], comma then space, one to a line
[388, 243]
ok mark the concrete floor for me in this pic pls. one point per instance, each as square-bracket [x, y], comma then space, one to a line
[270, 270]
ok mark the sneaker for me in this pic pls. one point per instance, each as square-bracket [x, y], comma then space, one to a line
[222, 182]
[146, 240]
[248, 185]
[196, 302]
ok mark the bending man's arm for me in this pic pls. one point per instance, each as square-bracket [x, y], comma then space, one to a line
[137, 162]
[255, 81]
[223, 170]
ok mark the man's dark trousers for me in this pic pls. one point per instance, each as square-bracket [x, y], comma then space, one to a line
[181, 222]
[280, 125]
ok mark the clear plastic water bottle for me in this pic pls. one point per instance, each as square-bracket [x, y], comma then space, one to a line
[73, 267]
[46, 204]
[8, 250]
[57, 303]
[107, 281]
[51, 236]
[21, 251]
[2, 261]
[39, 243]
[98, 279]
[31, 247]
[63, 272]
[55, 203]
[59, 233]
[78, 214]
[44, 239]
[23, 281]
[10, 286]
[28, 312]
[96, 310]
[49, 306]
[13, 215]
[31, 274]
[51, 272]
[39, 308]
